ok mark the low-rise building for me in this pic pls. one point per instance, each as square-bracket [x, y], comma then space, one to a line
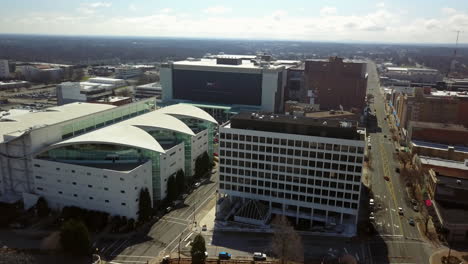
[13, 84]
[308, 169]
[149, 90]
[4, 69]
[127, 72]
[447, 185]
[115, 83]
[414, 75]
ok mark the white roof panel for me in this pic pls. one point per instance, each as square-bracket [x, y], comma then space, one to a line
[119, 134]
[49, 116]
[159, 120]
[187, 110]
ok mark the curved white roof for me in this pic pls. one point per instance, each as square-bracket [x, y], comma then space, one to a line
[119, 134]
[159, 120]
[188, 111]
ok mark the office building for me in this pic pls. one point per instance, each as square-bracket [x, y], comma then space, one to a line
[99, 156]
[127, 72]
[336, 83]
[13, 84]
[414, 75]
[235, 80]
[430, 106]
[93, 90]
[41, 72]
[4, 69]
[308, 169]
[115, 83]
[149, 90]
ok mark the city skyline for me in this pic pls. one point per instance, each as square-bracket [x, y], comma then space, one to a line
[337, 21]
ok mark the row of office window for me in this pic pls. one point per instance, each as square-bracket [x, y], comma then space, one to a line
[322, 169]
[290, 154]
[286, 183]
[295, 197]
[289, 143]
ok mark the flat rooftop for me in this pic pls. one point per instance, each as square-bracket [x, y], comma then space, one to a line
[443, 163]
[246, 64]
[16, 125]
[289, 124]
[449, 93]
[425, 144]
[453, 127]
[105, 79]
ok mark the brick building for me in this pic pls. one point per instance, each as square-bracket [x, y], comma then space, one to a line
[426, 106]
[336, 82]
[442, 133]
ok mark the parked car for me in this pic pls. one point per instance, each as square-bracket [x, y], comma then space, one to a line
[397, 170]
[411, 221]
[415, 208]
[386, 178]
[258, 256]
[400, 211]
[224, 255]
[414, 202]
[168, 209]
[204, 228]
[215, 154]
[197, 184]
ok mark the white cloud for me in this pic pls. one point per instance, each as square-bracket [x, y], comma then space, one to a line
[382, 25]
[380, 5]
[217, 10]
[132, 8]
[328, 11]
[449, 11]
[91, 8]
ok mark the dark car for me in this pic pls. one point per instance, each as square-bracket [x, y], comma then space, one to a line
[224, 255]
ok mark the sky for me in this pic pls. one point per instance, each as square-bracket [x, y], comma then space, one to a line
[397, 21]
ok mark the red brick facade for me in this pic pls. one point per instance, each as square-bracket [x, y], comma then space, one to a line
[336, 83]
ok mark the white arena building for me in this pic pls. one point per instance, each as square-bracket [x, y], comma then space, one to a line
[98, 156]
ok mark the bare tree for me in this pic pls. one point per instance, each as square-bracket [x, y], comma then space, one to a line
[286, 244]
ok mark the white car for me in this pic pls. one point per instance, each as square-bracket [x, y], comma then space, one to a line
[197, 184]
[259, 256]
[400, 211]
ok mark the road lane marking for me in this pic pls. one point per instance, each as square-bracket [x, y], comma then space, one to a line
[189, 235]
[174, 222]
[125, 241]
[128, 261]
[134, 256]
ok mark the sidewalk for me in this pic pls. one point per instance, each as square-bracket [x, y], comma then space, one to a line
[436, 256]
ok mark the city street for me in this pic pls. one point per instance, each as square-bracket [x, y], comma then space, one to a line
[403, 242]
[164, 236]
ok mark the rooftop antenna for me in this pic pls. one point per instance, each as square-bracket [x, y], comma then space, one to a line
[452, 61]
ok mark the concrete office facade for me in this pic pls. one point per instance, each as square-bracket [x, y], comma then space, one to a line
[313, 179]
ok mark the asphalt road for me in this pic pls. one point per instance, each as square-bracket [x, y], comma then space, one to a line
[401, 241]
[164, 235]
